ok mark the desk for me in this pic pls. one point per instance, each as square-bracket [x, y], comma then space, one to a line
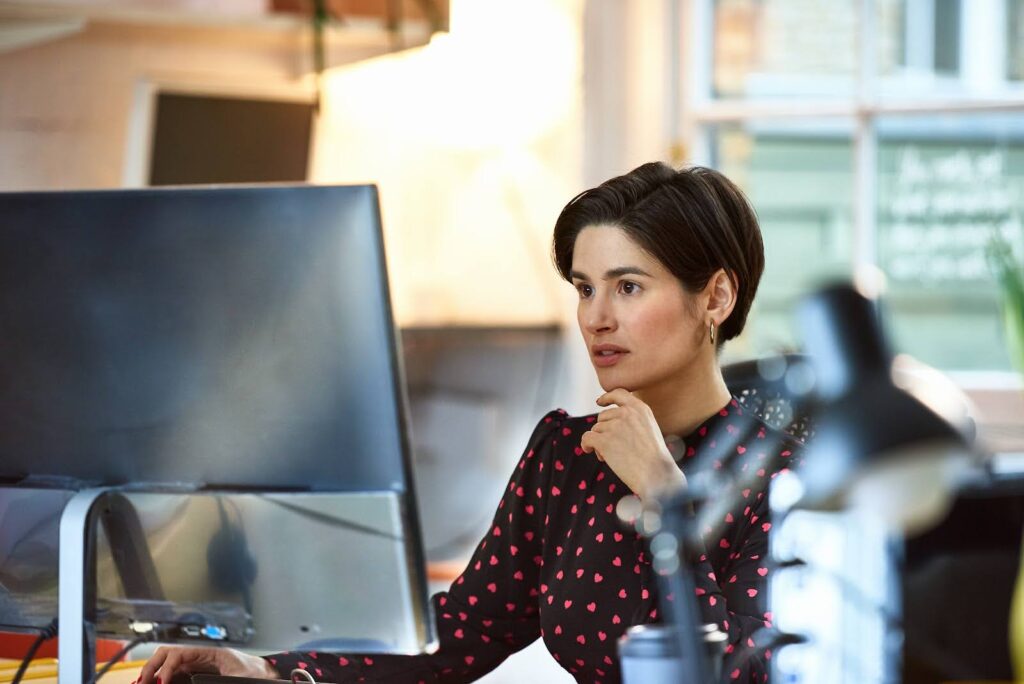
[44, 671]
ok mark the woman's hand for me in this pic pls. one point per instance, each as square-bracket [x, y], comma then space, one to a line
[628, 439]
[170, 660]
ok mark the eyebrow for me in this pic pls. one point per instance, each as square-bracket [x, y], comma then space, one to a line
[614, 273]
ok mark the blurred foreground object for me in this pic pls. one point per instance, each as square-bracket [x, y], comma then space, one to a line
[876, 446]
[891, 446]
[1010, 274]
[1017, 624]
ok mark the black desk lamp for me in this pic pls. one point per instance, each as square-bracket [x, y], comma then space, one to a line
[875, 446]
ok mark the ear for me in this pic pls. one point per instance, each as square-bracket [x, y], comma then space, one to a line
[720, 294]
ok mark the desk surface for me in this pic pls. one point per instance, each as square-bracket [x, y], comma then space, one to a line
[44, 671]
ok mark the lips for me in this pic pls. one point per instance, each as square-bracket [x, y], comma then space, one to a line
[607, 354]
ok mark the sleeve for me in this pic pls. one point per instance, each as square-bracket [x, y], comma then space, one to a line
[735, 597]
[489, 612]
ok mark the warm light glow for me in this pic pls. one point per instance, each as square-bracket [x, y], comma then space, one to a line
[474, 142]
[505, 74]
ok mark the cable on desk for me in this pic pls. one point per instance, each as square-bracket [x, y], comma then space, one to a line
[45, 635]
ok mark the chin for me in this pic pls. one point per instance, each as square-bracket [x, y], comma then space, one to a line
[610, 380]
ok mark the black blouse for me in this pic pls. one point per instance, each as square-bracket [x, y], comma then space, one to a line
[558, 563]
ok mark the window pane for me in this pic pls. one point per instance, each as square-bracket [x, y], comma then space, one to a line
[1015, 39]
[946, 186]
[799, 178]
[950, 48]
[781, 48]
[946, 29]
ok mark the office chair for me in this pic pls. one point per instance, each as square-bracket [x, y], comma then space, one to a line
[773, 389]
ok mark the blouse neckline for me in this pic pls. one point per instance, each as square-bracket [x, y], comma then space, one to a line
[686, 446]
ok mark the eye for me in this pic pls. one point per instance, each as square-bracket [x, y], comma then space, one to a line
[584, 290]
[628, 287]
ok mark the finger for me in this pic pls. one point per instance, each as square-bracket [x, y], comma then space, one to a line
[152, 665]
[591, 439]
[619, 396]
[170, 665]
[597, 440]
[609, 414]
[590, 443]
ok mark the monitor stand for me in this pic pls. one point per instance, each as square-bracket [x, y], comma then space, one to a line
[77, 567]
[76, 649]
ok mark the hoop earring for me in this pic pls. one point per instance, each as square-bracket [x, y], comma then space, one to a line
[712, 332]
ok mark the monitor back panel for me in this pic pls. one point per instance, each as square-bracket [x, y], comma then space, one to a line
[236, 337]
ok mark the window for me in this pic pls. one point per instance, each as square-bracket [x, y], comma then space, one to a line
[946, 185]
[798, 178]
[870, 133]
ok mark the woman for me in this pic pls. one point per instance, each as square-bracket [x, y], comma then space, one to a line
[666, 264]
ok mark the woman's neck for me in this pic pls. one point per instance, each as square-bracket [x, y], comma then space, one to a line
[684, 402]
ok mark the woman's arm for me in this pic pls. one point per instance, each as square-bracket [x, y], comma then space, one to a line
[168, 660]
[490, 611]
[732, 592]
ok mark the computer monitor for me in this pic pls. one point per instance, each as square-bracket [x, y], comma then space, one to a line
[226, 357]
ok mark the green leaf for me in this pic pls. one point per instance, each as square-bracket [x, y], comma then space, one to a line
[1009, 274]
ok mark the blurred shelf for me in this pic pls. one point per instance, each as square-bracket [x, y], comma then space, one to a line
[252, 18]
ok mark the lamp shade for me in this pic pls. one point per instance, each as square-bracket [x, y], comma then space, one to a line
[876, 446]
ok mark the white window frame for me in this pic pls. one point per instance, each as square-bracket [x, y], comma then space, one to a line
[699, 111]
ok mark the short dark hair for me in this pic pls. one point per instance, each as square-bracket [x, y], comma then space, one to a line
[694, 221]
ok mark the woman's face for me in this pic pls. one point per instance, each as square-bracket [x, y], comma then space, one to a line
[641, 327]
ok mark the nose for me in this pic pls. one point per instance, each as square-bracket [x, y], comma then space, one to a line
[596, 316]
